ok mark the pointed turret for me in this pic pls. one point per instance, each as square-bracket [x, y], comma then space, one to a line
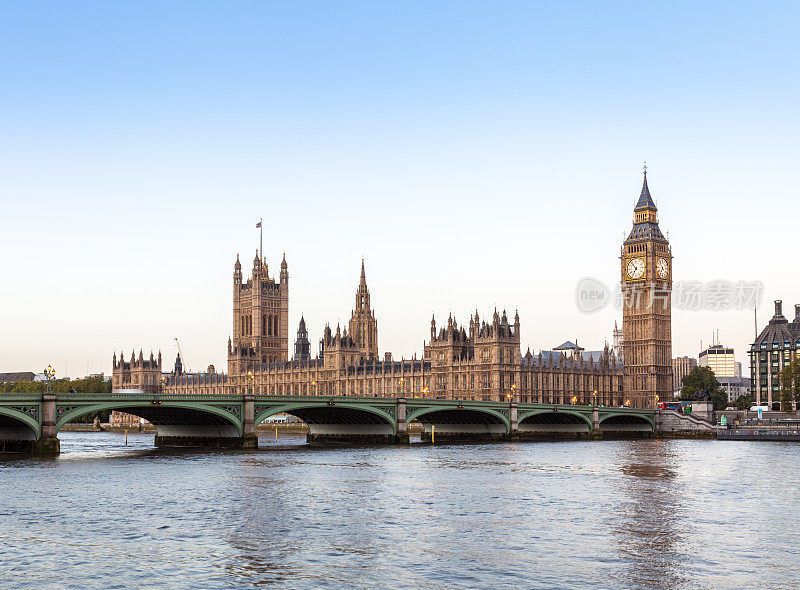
[284, 270]
[302, 346]
[645, 200]
[237, 271]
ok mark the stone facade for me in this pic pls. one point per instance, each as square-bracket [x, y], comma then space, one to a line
[260, 318]
[140, 374]
[479, 361]
[143, 374]
[646, 275]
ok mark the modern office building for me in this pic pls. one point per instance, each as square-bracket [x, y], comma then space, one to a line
[681, 367]
[719, 359]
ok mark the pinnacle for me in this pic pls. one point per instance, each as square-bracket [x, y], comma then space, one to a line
[645, 200]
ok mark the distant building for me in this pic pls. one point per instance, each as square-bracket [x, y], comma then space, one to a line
[302, 346]
[618, 339]
[681, 367]
[734, 387]
[123, 420]
[14, 377]
[571, 350]
[719, 359]
[774, 348]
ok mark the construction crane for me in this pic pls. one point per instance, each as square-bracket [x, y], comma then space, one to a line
[183, 358]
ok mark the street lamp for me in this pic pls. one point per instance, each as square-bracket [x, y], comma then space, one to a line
[574, 400]
[313, 388]
[250, 379]
[594, 398]
[49, 376]
[424, 392]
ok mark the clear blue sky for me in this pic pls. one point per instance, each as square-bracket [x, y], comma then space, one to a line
[476, 154]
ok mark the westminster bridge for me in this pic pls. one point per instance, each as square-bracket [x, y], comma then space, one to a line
[31, 422]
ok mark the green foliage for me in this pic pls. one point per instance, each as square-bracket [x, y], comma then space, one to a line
[702, 385]
[87, 385]
[744, 402]
[22, 387]
[790, 384]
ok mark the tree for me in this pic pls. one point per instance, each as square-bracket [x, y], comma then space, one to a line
[790, 384]
[87, 385]
[744, 402]
[702, 385]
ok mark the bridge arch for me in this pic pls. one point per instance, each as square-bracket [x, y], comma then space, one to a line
[554, 422]
[336, 418]
[15, 425]
[626, 422]
[460, 422]
[458, 415]
[181, 423]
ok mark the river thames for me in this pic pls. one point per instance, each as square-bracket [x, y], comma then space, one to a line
[614, 514]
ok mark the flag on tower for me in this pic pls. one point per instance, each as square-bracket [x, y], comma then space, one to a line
[258, 224]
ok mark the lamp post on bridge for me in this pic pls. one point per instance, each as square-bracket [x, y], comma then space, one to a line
[595, 412]
[513, 425]
[48, 443]
[49, 377]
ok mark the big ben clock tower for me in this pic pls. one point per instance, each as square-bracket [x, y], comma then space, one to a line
[646, 265]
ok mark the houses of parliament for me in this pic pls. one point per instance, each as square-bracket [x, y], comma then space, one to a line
[479, 360]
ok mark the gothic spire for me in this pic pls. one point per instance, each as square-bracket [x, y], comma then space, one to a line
[363, 282]
[645, 200]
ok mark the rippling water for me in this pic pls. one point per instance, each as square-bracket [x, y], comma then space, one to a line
[655, 514]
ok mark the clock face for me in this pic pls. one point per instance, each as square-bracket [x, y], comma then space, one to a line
[662, 268]
[635, 268]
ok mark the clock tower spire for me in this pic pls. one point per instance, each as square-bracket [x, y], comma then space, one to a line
[646, 275]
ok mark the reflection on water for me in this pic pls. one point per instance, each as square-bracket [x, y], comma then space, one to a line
[649, 520]
[651, 514]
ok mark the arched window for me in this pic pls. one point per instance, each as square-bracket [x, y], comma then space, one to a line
[269, 326]
[275, 328]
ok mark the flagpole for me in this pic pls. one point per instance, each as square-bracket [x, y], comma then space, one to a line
[261, 236]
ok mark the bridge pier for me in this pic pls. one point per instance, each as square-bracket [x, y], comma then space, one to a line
[249, 438]
[354, 434]
[401, 437]
[48, 443]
